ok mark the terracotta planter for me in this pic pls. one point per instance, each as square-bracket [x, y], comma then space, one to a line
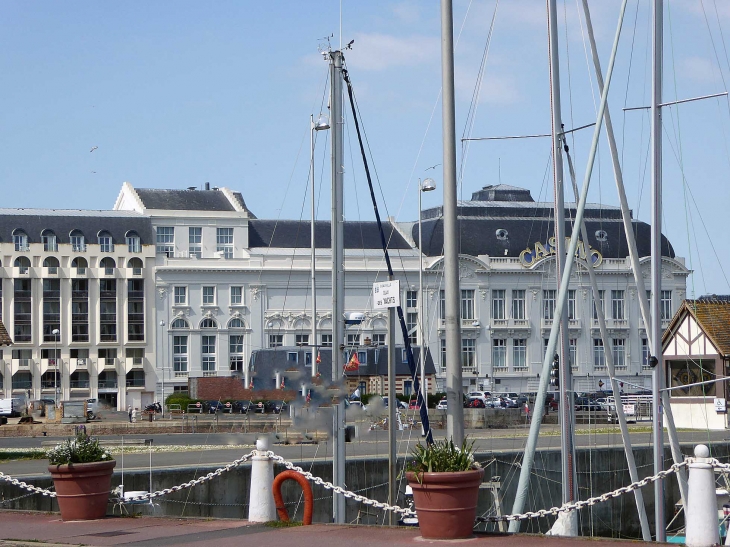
[82, 489]
[446, 503]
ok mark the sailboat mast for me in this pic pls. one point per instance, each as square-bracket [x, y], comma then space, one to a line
[338, 282]
[452, 319]
[656, 263]
[570, 484]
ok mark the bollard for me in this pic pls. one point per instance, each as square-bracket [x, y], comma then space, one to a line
[261, 506]
[702, 526]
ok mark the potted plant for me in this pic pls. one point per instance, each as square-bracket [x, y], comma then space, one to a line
[445, 480]
[82, 473]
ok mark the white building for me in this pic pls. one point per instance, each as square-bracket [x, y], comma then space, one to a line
[220, 283]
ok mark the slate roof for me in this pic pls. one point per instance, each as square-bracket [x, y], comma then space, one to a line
[713, 317]
[292, 234]
[266, 362]
[187, 200]
[5, 339]
[63, 222]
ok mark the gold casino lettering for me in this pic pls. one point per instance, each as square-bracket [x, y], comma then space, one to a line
[528, 257]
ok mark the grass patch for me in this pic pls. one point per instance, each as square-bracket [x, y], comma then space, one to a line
[281, 524]
[8, 454]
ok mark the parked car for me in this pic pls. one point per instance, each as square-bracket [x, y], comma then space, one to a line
[483, 395]
[276, 406]
[476, 402]
[214, 406]
[441, 405]
[242, 407]
[495, 402]
[413, 404]
[584, 403]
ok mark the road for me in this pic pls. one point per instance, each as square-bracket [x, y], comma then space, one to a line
[213, 449]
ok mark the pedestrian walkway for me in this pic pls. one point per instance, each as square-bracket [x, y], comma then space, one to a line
[38, 529]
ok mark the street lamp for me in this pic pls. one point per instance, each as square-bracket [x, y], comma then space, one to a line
[55, 333]
[427, 185]
[162, 362]
[321, 124]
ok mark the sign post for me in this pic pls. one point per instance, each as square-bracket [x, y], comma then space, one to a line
[386, 295]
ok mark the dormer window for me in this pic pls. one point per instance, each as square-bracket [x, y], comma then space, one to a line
[106, 245]
[20, 239]
[134, 244]
[78, 244]
[50, 243]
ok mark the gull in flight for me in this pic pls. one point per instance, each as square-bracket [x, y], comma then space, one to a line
[433, 167]
[93, 148]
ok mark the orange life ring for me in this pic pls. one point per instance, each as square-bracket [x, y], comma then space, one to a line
[306, 489]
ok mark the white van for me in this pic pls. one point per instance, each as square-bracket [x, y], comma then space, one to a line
[11, 407]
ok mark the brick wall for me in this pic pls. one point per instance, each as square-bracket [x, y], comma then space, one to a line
[215, 389]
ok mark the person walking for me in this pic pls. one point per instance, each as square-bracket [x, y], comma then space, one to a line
[129, 411]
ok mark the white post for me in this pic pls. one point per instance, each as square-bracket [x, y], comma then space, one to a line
[700, 513]
[261, 499]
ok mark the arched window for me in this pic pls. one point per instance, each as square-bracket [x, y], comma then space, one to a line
[78, 243]
[208, 323]
[20, 239]
[136, 265]
[179, 324]
[106, 244]
[22, 263]
[108, 265]
[236, 323]
[134, 244]
[50, 243]
[80, 264]
[51, 263]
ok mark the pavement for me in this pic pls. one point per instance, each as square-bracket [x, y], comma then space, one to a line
[39, 529]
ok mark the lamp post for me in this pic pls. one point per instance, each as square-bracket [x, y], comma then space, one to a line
[55, 333]
[321, 124]
[427, 185]
[162, 362]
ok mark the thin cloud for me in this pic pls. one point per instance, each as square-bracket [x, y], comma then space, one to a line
[698, 70]
[407, 12]
[383, 51]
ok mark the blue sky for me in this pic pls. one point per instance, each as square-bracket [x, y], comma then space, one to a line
[176, 94]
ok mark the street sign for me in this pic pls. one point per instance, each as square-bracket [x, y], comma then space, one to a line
[386, 294]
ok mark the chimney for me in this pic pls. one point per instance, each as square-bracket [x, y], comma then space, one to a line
[207, 186]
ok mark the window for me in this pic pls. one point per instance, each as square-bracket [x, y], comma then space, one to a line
[166, 240]
[599, 300]
[407, 387]
[353, 339]
[573, 352]
[106, 245]
[498, 304]
[207, 346]
[277, 340]
[411, 299]
[20, 239]
[548, 304]
[442, 352]
[403, 355]
[51, 263]
[499, 353]
[134, 244]
[571, 304]
[442, 305]
[519, 353]
[292, 357]
[179, 323]
[195, 241]
[362, 356]
[78, 244]
[23, 264]
[378, 339]
[617, 305]
[50, 243]
[665, 305]
[518, 304]
[235, 352]
[645, 353]
[224, 241]
[467, 304]
[236, 296]
[180, 296]
[108, 265]
[236, 323]
[302, 339]
[208, 296]
[619, 353]
[179, 353]
[208, 323]
[468, 353]
[599, 356]
[326, 340]
[412, 326]
[136, 264]
[545, 342]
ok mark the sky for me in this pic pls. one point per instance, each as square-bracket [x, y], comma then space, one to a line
[176, 94]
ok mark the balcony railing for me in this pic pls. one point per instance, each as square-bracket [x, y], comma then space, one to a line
[21, 294]
[108, 384]
[79, 317]
[82, 362]
[108, 318]
[23, 363]
[109, 362]
[22, 384]
[81, 271]
[79, 384]
[135, 382]
[51, 294]
[51, 271]
[108, 294]
[135, 294]
[80, 294]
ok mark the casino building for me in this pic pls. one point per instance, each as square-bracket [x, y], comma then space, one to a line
[178, 284]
